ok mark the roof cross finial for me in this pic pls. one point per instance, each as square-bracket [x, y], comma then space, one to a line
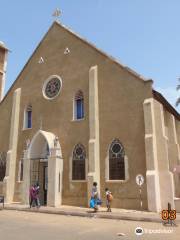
[56, 14]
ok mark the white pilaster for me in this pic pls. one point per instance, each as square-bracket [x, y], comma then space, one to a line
[152, 174]
[173, 153]
[94, 158]
[26, 178]
[55, 172]
[9, 180]
[160, 186]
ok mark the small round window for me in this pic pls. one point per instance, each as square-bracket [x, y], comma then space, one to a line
[52, 87]
[116, 148]
[79, 151]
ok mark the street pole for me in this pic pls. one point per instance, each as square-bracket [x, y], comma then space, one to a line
[140, 181]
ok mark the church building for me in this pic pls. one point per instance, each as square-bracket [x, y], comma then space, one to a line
[75, 115]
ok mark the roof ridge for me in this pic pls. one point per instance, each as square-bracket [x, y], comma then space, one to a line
[103, 52]
[160, 98]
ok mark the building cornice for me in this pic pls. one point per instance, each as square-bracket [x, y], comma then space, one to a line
[159, 97]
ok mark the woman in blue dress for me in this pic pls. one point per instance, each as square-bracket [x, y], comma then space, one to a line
[94, 196]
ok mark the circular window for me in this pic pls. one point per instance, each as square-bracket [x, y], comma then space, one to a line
[52, 87]
[116, 148]
[79, 151]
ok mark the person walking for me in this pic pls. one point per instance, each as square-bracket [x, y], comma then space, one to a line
[109, 198]
[31, 195]
[95, 196]
[37, 191]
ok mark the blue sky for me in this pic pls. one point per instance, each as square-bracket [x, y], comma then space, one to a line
[145, 35]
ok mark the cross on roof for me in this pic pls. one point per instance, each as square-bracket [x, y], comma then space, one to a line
[57, 13]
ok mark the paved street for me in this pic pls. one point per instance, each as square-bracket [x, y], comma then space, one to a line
[18, 225]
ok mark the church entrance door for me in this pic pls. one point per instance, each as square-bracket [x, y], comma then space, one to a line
[39, 174]
[43, 163]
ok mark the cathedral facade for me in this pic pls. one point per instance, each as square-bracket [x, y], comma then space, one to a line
[73, 116]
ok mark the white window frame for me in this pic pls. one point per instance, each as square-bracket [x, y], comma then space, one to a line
[75, 108]
[46, 82]
[26, 118]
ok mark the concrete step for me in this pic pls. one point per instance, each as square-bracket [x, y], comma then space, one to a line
[14, 203]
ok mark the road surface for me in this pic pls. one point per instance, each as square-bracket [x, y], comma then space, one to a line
[18, 225]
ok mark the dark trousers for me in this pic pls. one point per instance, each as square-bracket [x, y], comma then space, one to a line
[32, 200]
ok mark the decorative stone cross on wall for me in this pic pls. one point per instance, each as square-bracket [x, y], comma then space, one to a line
[28, 141]
[56, 141]
[40, 123]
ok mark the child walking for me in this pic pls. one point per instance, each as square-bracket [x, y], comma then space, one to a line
[94, 196]
[109, 199]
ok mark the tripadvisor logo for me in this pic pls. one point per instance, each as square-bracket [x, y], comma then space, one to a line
[139, 231]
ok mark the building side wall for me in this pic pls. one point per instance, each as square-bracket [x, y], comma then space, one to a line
[172, 136]
[162, 155]
[121, 99]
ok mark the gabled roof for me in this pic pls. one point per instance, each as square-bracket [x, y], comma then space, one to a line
[88, 43]
[156, 95]
[103, 53]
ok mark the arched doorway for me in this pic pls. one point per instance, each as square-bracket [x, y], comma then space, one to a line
[39, 153]
[43, 163]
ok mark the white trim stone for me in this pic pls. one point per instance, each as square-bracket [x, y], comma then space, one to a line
[9, 180]
[55, 167]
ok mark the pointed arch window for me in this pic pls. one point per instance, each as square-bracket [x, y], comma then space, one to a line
[79, 105]
[28, 117]
[116, 161]
[78, 162]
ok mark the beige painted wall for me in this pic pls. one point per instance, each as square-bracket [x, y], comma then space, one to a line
[172, 133]
[121, 97]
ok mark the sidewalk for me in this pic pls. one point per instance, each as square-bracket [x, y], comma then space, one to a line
[117, 214]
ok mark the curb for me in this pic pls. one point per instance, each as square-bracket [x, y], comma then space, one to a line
[88, 215]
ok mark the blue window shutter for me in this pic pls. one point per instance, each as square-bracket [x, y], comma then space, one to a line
[79, 109]
[82, 107]
[29, 119]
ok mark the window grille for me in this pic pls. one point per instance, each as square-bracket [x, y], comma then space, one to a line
[116, 161]
[79, 105]
[78, 163]
[28, 117]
